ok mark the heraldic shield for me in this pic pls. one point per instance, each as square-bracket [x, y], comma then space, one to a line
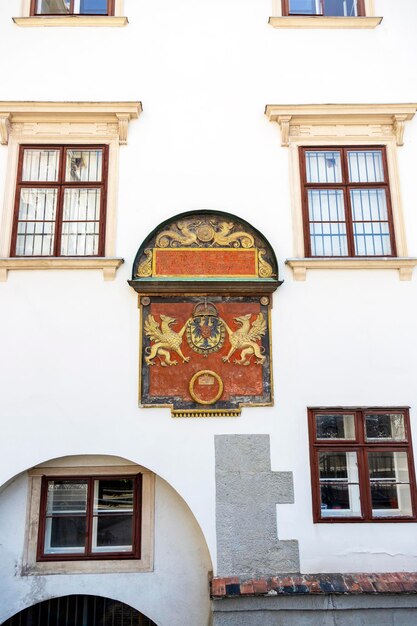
[205, 282]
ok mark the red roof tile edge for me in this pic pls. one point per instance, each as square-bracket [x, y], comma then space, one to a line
[315, 584]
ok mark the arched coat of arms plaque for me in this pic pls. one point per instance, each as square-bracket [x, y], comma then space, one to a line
[205, 281]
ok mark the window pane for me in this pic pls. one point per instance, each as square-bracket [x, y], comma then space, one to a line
[371, 239]
[84, 166]
[36, 225]
[335, 426]
[80, 239]
[366, 166]
[81, 205]
[326, 205]
[113, 495]
[327, 239]
[65, 535]
[91, 7]
[346, 8]
[339, 484]
[323, 167]
[81, 226]
[369, 204]
[342, 8]
[113, 533]
[388, 426]
[66, 496]
[390, 489]
[53, 6]
[370, 222]
[40, 165]
[37, 204]
[305, 7]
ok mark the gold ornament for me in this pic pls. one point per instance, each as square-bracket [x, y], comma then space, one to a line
[145, 266]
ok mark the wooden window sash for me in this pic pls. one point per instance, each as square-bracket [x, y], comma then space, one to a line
[346, 186]
[362, 448]
[33, 13]
[89, 555]
[286, 10]
[61, 184]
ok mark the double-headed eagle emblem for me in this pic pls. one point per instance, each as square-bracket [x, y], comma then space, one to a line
[205, 333]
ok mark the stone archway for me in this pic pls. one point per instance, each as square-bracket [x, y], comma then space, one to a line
[80, 610]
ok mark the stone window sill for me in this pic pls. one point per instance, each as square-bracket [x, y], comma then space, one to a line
[313, 21]
[109, 266]
[404, 266]
[71, 20]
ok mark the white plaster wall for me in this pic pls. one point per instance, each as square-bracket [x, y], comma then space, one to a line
[181, 566]
[69, 341]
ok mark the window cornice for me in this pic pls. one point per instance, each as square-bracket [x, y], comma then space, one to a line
[357, 121]
[96, 118]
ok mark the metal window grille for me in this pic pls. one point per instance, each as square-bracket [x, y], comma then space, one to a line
[80, 611]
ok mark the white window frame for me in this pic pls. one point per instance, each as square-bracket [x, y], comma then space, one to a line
[63, 123]
[331, 125]
[57, 469]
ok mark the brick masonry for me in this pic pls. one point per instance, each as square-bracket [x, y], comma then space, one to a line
[315, 584]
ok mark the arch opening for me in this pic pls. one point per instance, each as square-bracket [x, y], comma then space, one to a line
[80, 610]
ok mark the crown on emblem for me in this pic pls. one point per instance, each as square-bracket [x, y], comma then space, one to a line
[206, 379]
[204, 308]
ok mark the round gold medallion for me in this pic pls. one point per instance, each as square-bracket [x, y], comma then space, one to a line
[205, 232]
[206, 387]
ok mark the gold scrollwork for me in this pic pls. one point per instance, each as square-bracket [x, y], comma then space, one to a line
[201, 232]
[206, 374]
[145, 266]
[264, 268]
[184, 236]
[224, 237]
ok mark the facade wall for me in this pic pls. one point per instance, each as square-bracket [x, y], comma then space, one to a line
[180, 559]
[69, 341]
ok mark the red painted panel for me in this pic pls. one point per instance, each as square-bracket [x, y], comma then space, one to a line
[174, 380]
[205, 262]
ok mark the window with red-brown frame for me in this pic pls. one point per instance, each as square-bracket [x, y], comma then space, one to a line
[331, 8]
[90, 518]
[346, 202]
[60, 204]
[362, 467]
[72, 7]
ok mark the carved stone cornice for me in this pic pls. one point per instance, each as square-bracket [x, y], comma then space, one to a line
[91, 119]
[357, 121]
[4, 128]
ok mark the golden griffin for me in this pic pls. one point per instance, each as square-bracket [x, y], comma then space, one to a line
[245, 339]
[166, 340]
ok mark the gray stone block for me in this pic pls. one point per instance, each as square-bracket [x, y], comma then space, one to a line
[246, 496]
[243, 452]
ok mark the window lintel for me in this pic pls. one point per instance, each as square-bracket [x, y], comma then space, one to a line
[116, 114]
[299, 121]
